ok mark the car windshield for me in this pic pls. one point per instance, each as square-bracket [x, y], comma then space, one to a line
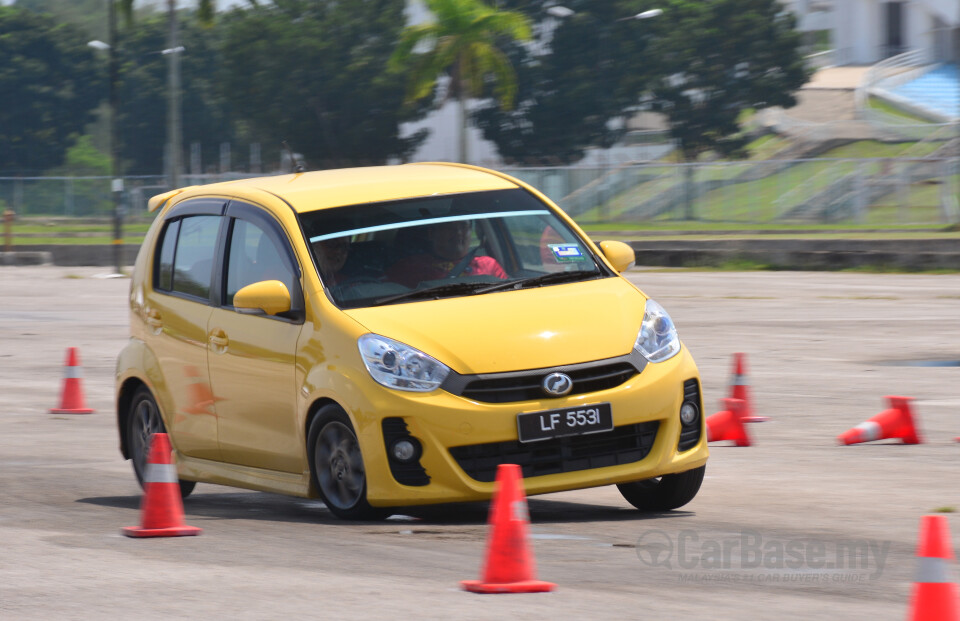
[444, 246]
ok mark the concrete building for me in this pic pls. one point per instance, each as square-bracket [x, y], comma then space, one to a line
[868, 31]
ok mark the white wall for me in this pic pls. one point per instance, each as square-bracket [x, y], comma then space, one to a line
[859, 27]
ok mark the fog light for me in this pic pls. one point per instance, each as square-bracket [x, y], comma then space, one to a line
[405, 450]
[688, 413]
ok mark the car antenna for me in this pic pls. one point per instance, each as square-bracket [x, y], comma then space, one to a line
[297, 164]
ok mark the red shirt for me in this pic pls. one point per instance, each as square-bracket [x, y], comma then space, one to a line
[417, 268]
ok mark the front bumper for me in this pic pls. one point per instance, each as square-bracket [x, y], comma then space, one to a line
[463, 440]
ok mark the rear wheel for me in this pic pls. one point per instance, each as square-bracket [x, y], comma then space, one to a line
[143, 420]
[665, 493]
[337, 466]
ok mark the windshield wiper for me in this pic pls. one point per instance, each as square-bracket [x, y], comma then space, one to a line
[432, 292]
[476, 288]
[552, 278]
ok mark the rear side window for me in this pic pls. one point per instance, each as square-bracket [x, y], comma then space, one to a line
[167, 248]
[187, 254]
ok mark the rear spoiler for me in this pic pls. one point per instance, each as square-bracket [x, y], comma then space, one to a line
[160, 200]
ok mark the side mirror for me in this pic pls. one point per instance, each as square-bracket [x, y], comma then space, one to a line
[268, 296]
[620, 255]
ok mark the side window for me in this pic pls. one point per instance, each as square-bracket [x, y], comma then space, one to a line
[193, 260]
[252, 257]
[164, 279]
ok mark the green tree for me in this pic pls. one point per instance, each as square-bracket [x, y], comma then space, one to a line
[462, 42]
[315, 74]
[576, 87]
[51, 86]
[83, 159]
[83, 13]
[717, 59]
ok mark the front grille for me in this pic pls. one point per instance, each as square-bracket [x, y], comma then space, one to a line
[514, 386]
[623, 445]
[689, 436]
[413, 473]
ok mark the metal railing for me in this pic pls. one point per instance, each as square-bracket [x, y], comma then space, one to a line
[884, 192]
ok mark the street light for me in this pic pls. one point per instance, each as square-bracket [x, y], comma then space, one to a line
[643, 15]
[174, 123]
[560, 11]
[116, 180]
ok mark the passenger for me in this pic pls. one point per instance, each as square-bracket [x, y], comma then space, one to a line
[449, 248]
[331, 256]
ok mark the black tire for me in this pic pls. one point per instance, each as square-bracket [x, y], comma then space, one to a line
[144, 420]
[336, 466]
[665, 493]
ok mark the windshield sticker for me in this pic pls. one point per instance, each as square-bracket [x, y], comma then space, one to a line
[566, 252]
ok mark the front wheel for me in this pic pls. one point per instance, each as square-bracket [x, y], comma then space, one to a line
[143, 420]
[337, 466]
[665, 493]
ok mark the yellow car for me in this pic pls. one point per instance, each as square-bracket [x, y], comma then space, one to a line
[387, 336]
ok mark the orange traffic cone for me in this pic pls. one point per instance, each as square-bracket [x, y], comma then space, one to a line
[509, 566]
[728, 424]
[739, 389]
[935, 596]
[895, 422]
[71, 398]
[162, 506]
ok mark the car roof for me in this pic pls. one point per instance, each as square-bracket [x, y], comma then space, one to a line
[322, 189]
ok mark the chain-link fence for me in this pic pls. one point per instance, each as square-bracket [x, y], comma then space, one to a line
[880, 192]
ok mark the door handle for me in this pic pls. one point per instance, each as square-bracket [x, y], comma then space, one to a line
[154, 320]
[219, 340]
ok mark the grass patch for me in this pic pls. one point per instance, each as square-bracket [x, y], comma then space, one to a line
[766, 146]
[105, 239]
[871, 149]
[882, 105]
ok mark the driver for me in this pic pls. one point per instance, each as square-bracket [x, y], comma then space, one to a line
[331, 256]
[450, 255]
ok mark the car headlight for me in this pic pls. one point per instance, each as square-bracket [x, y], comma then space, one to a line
[400, 366]
[658, 339]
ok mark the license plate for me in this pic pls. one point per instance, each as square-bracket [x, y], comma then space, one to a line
[575, 421]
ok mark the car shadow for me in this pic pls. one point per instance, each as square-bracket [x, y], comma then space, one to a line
[246, 505]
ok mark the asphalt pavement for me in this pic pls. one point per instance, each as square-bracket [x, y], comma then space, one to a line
[794, 527]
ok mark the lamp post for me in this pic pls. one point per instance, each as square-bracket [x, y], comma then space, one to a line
[174, 124]
[116, 179]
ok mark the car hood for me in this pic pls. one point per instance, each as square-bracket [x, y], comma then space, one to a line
[517, 330]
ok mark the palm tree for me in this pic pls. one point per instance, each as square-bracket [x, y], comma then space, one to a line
[461, 42]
